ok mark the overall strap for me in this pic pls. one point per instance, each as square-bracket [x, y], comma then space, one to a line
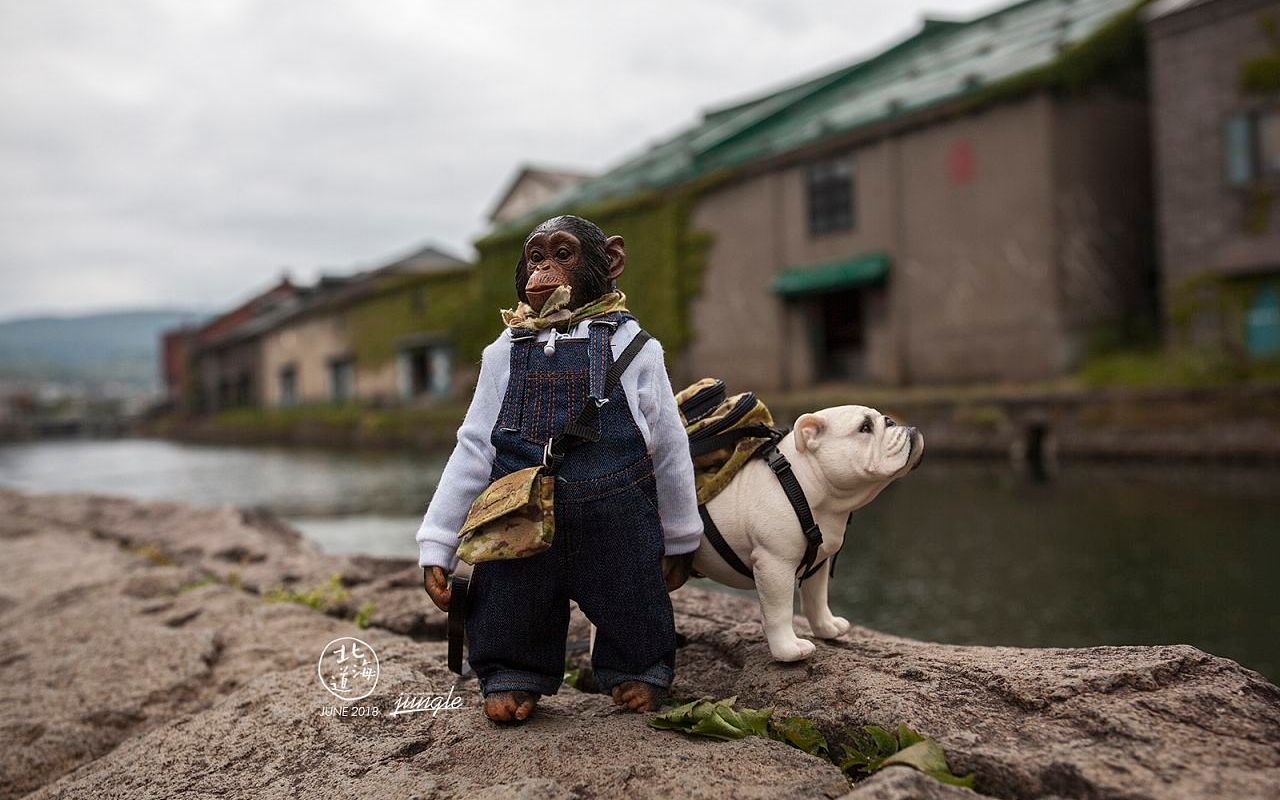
[599, 356]
[586, 427]
[522, 342]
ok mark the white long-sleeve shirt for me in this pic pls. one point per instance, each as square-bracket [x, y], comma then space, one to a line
[653, 407]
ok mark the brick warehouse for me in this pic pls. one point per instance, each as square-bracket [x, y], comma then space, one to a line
[973, 204]
[1215, 77]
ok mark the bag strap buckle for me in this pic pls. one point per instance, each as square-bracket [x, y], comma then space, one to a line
[550, 458]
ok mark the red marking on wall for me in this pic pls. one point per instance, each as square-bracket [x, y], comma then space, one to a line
[960, 163]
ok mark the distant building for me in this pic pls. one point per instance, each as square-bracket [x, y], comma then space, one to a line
[530, 188]
[1215, 80]
[972, 204]
[382, 337]
[175, 356]
[223, 355]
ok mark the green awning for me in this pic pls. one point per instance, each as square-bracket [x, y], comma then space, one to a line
[832, 275]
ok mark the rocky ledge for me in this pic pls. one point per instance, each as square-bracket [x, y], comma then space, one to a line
[148, 650]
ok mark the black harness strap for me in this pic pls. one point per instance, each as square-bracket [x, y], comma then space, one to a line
[722, 547]
[781, 468]
[814, 570]
[832, 561]
[795, 495]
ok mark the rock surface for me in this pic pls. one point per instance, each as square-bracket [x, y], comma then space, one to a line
[143, 660]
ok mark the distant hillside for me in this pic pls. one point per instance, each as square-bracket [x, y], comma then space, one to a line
[94, 350]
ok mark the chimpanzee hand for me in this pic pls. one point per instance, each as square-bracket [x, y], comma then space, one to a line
[676, 569]
[436, 582]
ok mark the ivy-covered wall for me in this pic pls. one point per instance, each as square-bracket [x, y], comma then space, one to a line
[404, 306]
[1209, 311]
[1261, 75]
[663, 274]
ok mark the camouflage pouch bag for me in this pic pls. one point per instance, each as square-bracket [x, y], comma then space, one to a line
[513, 518]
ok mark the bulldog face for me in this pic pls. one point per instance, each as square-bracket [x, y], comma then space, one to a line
[857, 448]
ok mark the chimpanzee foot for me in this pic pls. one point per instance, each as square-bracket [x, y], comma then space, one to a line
[638, 695]
[510, 706]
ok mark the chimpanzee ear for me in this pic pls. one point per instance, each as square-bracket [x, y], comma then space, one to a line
[808, 430]
[615, 248]
[522, 279]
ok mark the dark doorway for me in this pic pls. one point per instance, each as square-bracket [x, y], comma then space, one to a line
[342, 380]
[841, 336]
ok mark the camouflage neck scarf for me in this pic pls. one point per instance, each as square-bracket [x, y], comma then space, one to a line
[555, 315]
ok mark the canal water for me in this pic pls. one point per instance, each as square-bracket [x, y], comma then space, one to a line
[969, 553]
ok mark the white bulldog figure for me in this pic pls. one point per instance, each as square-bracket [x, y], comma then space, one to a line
[843, 457]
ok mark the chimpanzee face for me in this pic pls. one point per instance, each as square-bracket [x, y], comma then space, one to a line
[552, 259]
[570, 251]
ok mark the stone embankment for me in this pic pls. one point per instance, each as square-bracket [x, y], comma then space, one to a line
[1225, 424]
[143, 656]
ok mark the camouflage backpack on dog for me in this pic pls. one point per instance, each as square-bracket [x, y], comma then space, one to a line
[724, 432]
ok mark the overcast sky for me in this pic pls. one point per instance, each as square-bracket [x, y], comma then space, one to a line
[184, 154]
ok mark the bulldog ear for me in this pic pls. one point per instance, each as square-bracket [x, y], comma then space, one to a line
[808, 429]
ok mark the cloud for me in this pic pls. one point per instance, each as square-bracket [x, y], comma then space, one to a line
[184, 153]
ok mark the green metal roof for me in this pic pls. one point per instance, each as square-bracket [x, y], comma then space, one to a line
[944, 60]
[815, 278]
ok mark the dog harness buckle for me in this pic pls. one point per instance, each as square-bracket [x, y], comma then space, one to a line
[776, 460]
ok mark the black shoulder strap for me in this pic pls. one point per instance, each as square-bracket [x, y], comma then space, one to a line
[624, 360]
[722, 547]
[457, 620]
[586, 428]
[730, 438]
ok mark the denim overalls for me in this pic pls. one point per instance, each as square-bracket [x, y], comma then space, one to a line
[608, 547]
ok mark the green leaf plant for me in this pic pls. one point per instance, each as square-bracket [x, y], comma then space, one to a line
[871, 749]
[876, 748]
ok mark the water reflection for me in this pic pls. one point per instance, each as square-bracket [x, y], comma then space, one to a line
[957, 552]
[1102, 555]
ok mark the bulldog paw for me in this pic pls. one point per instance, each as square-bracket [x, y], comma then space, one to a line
[509, 706]
[831, 628]
[793, 650]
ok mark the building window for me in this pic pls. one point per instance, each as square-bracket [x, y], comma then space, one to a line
[1252, 144]
[830, 198]
[1262, 322]
[289, 385]
[244, 389]
[1268, 127]
[342, 380]
[426, 370]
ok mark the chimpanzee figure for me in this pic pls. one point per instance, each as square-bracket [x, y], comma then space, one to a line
[626, 515]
